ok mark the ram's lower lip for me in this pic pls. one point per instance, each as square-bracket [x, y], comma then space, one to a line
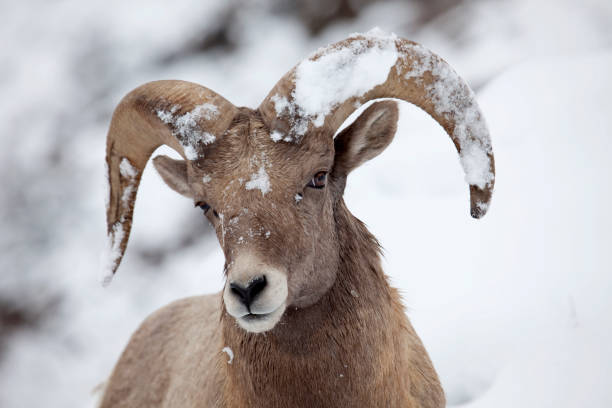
[255, 316]
[261, 322]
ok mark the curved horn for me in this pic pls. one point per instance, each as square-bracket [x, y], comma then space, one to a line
[322, 91]
[182, 115]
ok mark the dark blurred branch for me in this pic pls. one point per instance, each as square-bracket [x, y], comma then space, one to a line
[16, 315]
[217, 37]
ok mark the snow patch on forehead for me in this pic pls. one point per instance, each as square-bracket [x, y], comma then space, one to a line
[260, 181]
[186, 127]
[206, 179]
[453, 99]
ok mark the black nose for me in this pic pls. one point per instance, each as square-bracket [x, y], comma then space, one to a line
[248, 294]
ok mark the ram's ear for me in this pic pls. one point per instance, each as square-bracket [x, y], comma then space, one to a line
[174, 174]
[365, 138]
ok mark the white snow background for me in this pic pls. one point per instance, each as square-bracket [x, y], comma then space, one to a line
[514, 309]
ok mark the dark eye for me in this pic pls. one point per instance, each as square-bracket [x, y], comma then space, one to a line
[205, 207]
[318, 180]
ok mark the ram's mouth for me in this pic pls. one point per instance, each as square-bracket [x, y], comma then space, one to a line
[261, 322]
[255, 316]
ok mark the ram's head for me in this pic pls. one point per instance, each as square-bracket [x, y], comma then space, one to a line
[271, 180]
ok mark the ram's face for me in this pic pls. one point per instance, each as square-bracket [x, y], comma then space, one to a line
[272, 209]
[272, 205]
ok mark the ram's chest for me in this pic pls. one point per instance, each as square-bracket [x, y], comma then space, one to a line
[331, 369]
[333, 384]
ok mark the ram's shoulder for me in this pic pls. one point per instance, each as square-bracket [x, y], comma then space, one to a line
[182, 338]
[185, 316]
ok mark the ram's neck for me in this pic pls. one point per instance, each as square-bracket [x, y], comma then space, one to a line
[344, 351]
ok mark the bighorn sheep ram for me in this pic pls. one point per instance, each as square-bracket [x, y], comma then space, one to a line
[307, 317]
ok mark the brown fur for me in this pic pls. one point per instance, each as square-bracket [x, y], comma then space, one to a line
[354, 348]
[327, 330]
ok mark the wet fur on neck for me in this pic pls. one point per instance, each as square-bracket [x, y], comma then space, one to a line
[355, 347]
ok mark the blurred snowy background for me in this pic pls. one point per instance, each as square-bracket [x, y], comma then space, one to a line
[514, 309]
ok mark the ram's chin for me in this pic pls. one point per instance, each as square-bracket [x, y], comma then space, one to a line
[260, 323]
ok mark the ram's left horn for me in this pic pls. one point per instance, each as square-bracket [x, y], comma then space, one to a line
[349, 73]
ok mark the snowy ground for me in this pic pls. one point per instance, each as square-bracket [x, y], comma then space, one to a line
[514, 308]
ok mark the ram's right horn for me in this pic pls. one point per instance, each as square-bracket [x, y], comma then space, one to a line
[183, 115]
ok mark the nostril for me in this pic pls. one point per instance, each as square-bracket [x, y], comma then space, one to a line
[238, 291]
[248, 294]
[256, 286]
